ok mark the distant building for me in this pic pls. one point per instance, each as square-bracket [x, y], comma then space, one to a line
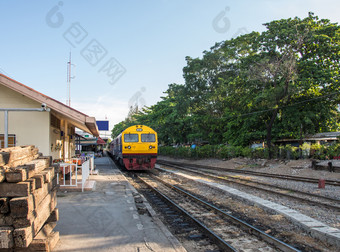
[319, 138]
[88, 143]
[52, 132]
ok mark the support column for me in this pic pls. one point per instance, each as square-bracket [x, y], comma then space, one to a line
[66, 142]
[6, 128]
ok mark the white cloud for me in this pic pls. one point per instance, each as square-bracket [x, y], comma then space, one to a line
[103, 107]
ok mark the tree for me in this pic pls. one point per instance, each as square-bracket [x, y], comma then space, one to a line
[283, 82]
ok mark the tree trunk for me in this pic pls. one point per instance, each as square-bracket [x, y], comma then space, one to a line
[269, 132]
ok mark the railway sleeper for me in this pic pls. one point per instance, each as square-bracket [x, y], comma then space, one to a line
[180, 224]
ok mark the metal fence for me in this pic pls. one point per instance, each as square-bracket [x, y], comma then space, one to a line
[70, 172]
[85, 173]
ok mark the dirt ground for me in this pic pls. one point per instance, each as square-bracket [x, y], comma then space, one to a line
[301, 167]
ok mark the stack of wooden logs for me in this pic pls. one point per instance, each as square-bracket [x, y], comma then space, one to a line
[28, 212]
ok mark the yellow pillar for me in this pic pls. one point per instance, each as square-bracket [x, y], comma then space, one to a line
[66, 141]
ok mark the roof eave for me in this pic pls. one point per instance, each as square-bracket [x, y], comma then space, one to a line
[91, 124]
[73, 114]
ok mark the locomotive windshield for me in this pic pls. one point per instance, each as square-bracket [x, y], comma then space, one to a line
[131, 138]
[150, 138]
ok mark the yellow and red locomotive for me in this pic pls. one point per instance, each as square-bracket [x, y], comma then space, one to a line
[136, 148]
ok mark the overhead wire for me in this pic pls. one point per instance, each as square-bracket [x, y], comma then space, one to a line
[290, 105]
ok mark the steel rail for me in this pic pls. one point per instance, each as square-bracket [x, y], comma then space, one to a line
[211, 234]
[263, 174]
[244, 226]
[335, 207]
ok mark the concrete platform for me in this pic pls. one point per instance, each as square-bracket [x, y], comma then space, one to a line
[106, 219]
[90, 185]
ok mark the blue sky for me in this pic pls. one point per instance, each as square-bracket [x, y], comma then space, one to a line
[125, 51]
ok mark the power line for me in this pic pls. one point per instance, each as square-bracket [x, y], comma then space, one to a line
[290, 105]
[4, 72]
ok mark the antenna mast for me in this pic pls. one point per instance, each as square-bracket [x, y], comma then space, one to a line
[69, 77]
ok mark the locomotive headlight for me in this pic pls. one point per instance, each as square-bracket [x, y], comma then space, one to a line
[129, 147]
[150, 147]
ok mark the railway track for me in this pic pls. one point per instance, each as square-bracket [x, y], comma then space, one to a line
[254, 173]
[226, 231]
[314, 199]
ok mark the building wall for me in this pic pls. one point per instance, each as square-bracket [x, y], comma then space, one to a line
[55, 143]
[30, 128]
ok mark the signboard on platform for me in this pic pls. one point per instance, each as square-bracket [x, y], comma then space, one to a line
[103, 125]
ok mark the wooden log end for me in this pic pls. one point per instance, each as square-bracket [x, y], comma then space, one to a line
[21, 207]
[6, 238]
[15, 176]
[20, 189]
[4, 158]
[4, 205]
[22, 237]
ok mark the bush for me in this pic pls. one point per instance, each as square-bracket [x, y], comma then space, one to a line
[315, 151]
[223, 152]
[246, 152]
[183, 152]
[206, 151]
[167, 151]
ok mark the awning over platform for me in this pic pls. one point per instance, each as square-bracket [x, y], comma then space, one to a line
[100, 141]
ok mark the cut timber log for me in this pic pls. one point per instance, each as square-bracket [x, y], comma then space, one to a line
[39, 180]
[37, 218]
[32, 184]
[22, 237]
[14, 176]
[4, 158]
[18, 155]
[46, 230]
[54, 217]
[46, 239]
[4, 205]
[29, 170]
[36, 166]
[24, 207]
[20, 189]
[47, 244]
[41, 193]
[49, 174]
[23, 161]
[47, 157]
[42, 245]
[5, 220]
[28, 212]
[2, 174]
[6, 237]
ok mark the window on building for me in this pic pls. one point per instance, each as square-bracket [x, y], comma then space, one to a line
[11, 140]
[55, 122]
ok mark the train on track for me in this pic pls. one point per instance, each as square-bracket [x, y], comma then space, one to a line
[135, 148]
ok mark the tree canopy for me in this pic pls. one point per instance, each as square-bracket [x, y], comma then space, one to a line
[281, 83]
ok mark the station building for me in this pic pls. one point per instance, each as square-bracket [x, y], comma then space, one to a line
[53, 131]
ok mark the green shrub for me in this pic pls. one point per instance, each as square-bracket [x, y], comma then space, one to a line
[246, 152]
[315, 151]
[206, 151]
[166, 151]
[183, 152]
[223, 152]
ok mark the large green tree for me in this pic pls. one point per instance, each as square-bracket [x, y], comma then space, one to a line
[281, 83]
